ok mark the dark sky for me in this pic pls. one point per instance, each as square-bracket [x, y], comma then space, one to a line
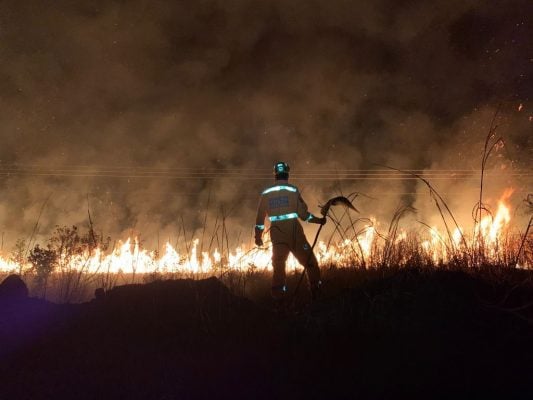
[132, 103]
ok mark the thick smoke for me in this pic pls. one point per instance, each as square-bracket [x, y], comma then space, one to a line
[151, 93]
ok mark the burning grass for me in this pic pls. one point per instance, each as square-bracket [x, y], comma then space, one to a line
[72, 264]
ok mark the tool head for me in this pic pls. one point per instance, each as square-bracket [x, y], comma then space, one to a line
[339, 200]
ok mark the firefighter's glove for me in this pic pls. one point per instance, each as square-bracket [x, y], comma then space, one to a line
[322, 221]
[258, 242]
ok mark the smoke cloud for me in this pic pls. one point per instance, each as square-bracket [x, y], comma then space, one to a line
[154, 114]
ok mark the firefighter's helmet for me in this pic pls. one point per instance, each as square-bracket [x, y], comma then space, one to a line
[281, 169]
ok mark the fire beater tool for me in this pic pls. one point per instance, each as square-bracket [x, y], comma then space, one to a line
[335, 201]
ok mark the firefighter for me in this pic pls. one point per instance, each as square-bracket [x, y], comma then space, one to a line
[283, 204]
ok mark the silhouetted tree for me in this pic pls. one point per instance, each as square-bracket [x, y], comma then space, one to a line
[44, 261]
[18, 255]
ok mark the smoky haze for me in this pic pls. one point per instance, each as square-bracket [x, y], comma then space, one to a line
[156, 112]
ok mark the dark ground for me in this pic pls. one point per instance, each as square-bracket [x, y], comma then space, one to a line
[411, 334]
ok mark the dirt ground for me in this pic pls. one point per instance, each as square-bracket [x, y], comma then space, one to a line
[410, 334]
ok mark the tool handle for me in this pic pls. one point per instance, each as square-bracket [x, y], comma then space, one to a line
[316, 237]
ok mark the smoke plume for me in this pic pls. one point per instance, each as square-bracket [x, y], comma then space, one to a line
[156, 114]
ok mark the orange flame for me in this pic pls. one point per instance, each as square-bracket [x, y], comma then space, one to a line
[129, 257]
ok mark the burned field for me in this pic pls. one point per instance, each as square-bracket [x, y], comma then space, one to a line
[375, 334]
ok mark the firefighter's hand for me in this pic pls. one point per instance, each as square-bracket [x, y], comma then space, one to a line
[322, 221]
[258, 242]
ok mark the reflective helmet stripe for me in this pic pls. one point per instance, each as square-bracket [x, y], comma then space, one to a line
[260, 227]
[281, 168]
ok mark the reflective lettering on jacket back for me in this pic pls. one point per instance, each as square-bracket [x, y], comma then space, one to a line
[278, 202]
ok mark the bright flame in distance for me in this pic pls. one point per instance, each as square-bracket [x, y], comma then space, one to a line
[364, 248]
[488, 238]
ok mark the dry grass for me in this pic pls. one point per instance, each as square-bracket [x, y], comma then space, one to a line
[53, 277]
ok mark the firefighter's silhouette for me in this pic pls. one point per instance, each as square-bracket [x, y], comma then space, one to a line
[283, 205]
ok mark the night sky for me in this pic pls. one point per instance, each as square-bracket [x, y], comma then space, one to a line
[152, 110]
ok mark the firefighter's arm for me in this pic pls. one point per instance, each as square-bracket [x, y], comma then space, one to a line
[304, 214]
[260, 222]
